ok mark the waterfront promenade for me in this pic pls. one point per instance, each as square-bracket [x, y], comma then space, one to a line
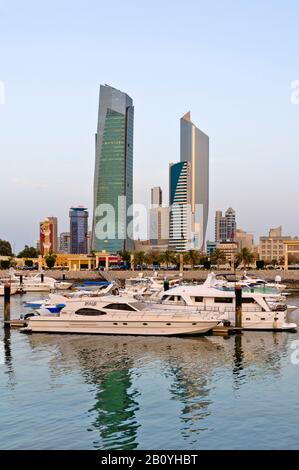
[290, 278]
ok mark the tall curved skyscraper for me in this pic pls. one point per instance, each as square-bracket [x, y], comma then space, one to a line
[195, 149]
[113, 177]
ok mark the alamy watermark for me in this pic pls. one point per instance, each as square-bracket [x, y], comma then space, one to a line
[295, 92]
[137, 222]
[295, 354]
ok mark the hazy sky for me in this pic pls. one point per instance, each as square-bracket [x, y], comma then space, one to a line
[230, 62]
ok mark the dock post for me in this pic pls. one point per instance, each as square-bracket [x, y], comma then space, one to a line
[42, 277]
[166, 284]
[6, 305]
[63, 277]
[21, 279]
[238, 312]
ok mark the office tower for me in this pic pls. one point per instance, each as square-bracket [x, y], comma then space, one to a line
[195, 149]
[48, 235]
[78, 230]
[65, 242]
[225, 226]
[180, 206]
[156, 196]
[230, 216]
[159, 220]
[113, 178]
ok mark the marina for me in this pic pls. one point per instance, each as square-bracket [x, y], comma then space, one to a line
[100, 392]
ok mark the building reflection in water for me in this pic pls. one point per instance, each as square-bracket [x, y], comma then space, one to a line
[192, 366]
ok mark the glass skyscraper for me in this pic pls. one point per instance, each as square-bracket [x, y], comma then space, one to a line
[195, 149]
[113, 178]
[78, 230]
[180, 206]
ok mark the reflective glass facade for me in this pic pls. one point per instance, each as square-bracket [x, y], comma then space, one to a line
[113, 181]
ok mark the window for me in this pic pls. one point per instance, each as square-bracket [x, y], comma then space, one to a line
[197, 299]
[90, 312]
[248, 300]
[223, 300]
[120, 307]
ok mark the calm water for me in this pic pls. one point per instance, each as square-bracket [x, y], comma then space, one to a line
[109, 392]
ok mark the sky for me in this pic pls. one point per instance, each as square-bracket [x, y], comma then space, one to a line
[231, 63]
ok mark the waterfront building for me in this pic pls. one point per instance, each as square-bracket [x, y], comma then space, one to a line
[158, 220]
[211, 247]
[271, 247]
[194, 148]
[65, 242]
[180, 206]
[48, 235]
[225, 226]
[244, 239]
[78, 230]
[113, 176]
[230, 249]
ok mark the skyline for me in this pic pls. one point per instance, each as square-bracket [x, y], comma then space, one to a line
[237, 85]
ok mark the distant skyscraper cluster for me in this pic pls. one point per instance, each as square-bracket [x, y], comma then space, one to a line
[189, 189]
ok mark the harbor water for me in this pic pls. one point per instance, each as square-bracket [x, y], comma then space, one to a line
[123, 392]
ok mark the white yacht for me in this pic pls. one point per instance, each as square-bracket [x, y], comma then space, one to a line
[13, 289]
[257, 312]
[122, 317]
[38, 284]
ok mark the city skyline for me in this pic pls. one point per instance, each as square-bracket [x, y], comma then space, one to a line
[243, 101]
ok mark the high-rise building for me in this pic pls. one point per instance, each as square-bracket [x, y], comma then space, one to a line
[65, 242]
[48, 235]
[159, 220]
[78, 230]
[113, 178]
[156, 196]
[225, 226]
[180, 202]
[195, 149]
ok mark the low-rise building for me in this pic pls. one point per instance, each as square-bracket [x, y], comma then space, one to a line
[244, 239]
[271, 247]
[230, 249]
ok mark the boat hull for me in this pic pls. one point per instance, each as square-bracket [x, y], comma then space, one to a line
[119, 327]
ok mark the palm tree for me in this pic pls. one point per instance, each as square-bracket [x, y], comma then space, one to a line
[194, 257]
[245, 256]
[139, 258]
[167, 257]
[218, 257]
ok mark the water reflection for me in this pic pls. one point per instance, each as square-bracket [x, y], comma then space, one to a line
[113, 364]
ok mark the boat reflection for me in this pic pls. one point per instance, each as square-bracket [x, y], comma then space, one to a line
[113, 365]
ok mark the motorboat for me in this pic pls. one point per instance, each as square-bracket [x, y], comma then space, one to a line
[39, 283]
[257, 312]
[13, 289]
[122, 318]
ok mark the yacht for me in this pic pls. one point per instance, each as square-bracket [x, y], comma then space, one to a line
[258, 313]
[121, 318]
[37, 284]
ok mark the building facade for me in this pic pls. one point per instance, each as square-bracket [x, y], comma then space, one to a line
[225, 226]
[271, 248]
[113, 177]
[158, 220]
[180, 204]
[65, 242]
[195, 150]
[230, 249]
[244, 240]
[78, 230]
[48, 236]
[211, 247]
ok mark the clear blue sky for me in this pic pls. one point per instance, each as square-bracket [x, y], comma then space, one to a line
[230, 62]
